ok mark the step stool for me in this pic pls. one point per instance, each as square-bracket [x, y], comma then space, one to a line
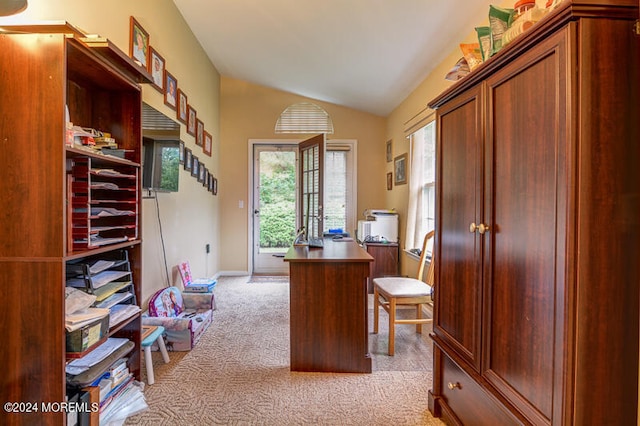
[155, 335]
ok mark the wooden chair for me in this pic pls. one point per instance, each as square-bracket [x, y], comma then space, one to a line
[391, 292]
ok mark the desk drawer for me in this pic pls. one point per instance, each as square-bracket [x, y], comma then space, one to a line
[470, 403]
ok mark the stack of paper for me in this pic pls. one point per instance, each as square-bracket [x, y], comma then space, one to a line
[83, 317]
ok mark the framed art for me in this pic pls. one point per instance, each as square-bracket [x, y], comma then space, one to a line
[188, 159]
[208, 142]
[389, 150]
[215, 186]
[199, 132]
[389, 181]
[181, 152]
[191, 120]
[400, 169]
[182, 107]
[156, 69]
[138, 43]
[203, 175]
[195, 167]
[210, 182]
[170, 89]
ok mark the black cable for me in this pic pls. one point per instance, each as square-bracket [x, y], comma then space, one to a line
[164, 252]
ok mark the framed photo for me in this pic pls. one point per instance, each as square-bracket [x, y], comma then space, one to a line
[195, 167]
[170, 90]
[389, 181]
[156, 69]
[210, 182]
[400, 169]
[191, 120]
[181, 152]
[138, 43]
[182, 107]
[199, 132]
[389, 150]
[215, 186]
[208, 142]
[202, 176]
[188, 159]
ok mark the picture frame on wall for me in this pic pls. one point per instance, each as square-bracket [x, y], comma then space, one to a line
[181, 111]
[138, 43]
[191, 120]
[195, 167]
[199, 132]
[170, 91]
[208, 142]
[181, 152]
[210, 182]
[156, 69]
[202, 176]
[389, 147]
[188, 159]
[215, 186]
[389, 181]
[400, 169]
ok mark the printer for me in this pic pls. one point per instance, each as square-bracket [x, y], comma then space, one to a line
[380, 225]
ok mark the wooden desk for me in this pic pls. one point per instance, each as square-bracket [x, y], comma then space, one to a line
[328, 304]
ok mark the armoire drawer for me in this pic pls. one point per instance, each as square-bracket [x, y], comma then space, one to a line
[468, 401]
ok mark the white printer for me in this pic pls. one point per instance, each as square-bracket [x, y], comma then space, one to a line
[380, 226]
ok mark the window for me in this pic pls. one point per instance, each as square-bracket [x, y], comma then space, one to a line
[421, 213]
[338, 190]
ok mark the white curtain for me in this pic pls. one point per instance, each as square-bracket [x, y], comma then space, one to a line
[416, 182]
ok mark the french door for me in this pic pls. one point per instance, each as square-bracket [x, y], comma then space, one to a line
[274, 206]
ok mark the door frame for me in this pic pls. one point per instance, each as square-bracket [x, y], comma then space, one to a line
[353, 143]
[250, 171]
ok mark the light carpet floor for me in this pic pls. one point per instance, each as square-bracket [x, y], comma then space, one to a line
[238, 374]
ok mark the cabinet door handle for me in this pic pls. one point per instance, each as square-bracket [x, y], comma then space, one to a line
[453, 386]
[473, 227]
[482, 228]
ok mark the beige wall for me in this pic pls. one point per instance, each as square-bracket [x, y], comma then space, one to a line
[250, 111]
[190, 217]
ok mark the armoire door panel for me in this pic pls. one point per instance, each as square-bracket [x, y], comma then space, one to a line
[460, 183]
[525, 163]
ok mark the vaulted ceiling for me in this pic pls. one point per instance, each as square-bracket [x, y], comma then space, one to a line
[364, 54]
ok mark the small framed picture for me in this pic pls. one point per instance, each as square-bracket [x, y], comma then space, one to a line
[188, 159]
[208, 142]
[389, 181]
[138, 43]
[400, 169]
[202, 175]
[181, 152]
[170, 89]
[156, 69]
[210, 183]
[182, 107]
[389, 150]
[195, 167]
[215, 186]
[199, 132]
[191, 120]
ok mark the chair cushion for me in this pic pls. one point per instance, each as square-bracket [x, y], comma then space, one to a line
[402, 287]
[166, 303]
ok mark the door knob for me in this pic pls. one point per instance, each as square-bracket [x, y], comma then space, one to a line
[256, 211]
[453, 386]
[482, 228]
[473, 227]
